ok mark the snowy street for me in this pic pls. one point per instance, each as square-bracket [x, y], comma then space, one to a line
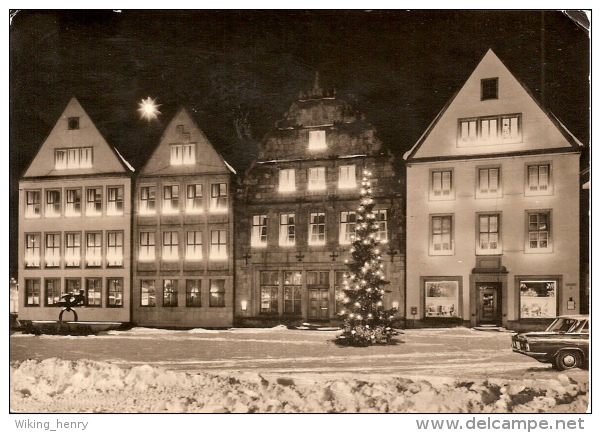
[240, 370]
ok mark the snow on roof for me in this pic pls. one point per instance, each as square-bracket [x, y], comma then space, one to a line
[124, 160]
[229, 167]
[271, 161]
[578, 142]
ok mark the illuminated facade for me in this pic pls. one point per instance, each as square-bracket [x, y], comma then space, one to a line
[493, 209]
[295, 214]
[75, 224]
[183, 232]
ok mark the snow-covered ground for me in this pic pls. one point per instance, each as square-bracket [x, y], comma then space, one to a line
[280, 370]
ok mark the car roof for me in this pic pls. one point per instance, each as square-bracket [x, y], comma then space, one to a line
[574, 316]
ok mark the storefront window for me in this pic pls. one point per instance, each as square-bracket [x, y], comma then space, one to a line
[442, 298]
[538, 299]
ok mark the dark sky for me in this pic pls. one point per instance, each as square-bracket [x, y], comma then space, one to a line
[398, 67]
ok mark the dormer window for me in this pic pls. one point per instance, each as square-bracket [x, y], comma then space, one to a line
[489, 89]
[73, 123]
[317, 140]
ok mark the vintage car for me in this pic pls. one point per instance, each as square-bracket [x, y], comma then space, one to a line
[565, 343]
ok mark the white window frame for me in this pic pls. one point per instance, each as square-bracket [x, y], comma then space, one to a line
[317, 139]
[287, 236]
[258, 237]
[437, 235]
[317, 228]
[534, 183]
[442, 186]
[317, 179]
[287, 180]
[348, 227]
[485, 178]
[486, 230]
[539, 234]
[489, 130]
[347, 177]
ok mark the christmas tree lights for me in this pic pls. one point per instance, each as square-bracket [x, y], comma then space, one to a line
[366, 320]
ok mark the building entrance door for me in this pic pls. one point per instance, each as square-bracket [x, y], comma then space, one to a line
[318, 287]
[489, 302]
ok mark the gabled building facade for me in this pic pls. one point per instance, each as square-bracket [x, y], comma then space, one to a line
[183, 232]
[75, 224]
[493, 209]
[295, 213]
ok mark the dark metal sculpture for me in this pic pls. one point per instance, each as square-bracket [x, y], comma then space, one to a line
[70, 301]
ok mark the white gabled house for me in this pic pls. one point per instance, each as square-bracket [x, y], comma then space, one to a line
[75, 224]
[493, 209]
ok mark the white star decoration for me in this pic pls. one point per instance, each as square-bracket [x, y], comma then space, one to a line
[148, 109]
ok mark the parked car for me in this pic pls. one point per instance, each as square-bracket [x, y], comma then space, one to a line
[565, 343]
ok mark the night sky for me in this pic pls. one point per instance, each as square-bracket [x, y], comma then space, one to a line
[398, 67]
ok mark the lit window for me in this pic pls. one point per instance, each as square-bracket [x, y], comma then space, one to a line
[72, 250]
[94, 201]
[348, 222]
[171, 199]
[442, 234]
[194, 245]
[32, 250]
[183, 154]
[114, 292]
[317, 140]
[53, 203]
[193, 293]
[114, 249]
[259, 231]
[219, 197]
[287, 180]
[94, 292]
[488, 240]
[147, 247]
[52, 254]
[93, 250]
[317, 178]
[488, 182]
[490, 130]
[217, 293]
[53, 292]
[218, 245]
[147, 293]
[115, 200]
[382, 221]
[346, 177]
[32, 292]
[539, 178]
[489, 88]
[147, 200]
[317, 229]
[269, 292]
[442, 298]
[287, 230]
[170, 293]
[170, 246]
[442, 184]
[32, 204]
[292, 292]
[539, 230]
[76, 157]
[194, 198]
[73, 206]
[538, 299]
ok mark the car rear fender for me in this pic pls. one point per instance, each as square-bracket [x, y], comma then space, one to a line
[577, 349]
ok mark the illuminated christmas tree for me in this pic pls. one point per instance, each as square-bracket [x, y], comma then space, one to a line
[366, 320]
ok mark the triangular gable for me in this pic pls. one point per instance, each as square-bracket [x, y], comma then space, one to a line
[183, 130]
[69, 143]
[538, 130]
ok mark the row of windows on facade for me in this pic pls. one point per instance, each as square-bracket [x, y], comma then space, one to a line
[489, 181]
[537, 298]
[193, 200]
[316, 178]
[317, 228]
[73, 258]
[475, 131]
[93, 291]
[193, 248]
[538, 233]
[290, 284]
[53, 202]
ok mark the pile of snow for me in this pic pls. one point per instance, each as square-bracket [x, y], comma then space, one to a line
[55, 385]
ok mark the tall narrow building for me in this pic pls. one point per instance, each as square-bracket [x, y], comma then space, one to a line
[183, 232]
[75, 224]
[493, 209]
[295, 214]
